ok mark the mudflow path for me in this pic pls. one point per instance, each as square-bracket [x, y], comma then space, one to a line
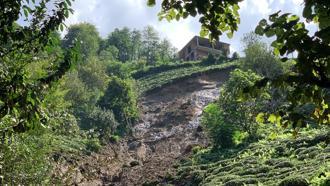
[168, 130]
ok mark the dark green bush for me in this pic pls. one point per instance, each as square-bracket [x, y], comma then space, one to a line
[222, 59]
[102, 121]
[260, 58]
[121, 98]
[93, 145]
[121, 70]
[235, 56]
[210, 60]
[221, 133]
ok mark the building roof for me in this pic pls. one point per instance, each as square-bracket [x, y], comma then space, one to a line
[206, 43]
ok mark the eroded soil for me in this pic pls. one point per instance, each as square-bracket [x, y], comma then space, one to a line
[168, 130]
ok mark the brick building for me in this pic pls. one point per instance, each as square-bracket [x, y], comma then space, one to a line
[199, 47]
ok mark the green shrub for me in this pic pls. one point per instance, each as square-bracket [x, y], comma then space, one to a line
[222, 59]
[93, 145]
[102, 120]
[114, 138]
[260, 58]
[210, 60]
[121, 70]
[235, 56]
[238, 111]
[24, 159]
[63, 123]
[240, 137]
[121, 98]
[221, 133]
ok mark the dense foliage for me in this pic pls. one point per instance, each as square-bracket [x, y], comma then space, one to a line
[86, 35]
[220, 131]
[138, 45]
[309, 78]
[259, 57]
[21, 96]
[121, 98]
[216, 17]
[231, 117]
[249, 145]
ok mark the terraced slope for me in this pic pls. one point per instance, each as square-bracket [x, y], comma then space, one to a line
[299, 162]
[158, 80]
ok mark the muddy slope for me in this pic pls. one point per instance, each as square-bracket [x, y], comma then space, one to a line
[168, 130]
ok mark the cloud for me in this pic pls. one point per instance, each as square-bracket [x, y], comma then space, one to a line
[260, 7]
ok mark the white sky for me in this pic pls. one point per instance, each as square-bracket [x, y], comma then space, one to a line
[107, 15]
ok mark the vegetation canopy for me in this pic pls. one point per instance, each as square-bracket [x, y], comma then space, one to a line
[20, 95]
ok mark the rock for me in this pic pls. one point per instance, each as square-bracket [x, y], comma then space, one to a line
[199, 128]
[134, 163]
[134, 145]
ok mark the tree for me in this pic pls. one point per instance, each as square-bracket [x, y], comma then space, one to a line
[310, 79]
[121, 39]
[259, 57]
[236, 111]
[109, 54]
[20, 97]
[136, 47]
[166, 51]
[86, 35]
[84, 86]
[235, 56]
[150, 43]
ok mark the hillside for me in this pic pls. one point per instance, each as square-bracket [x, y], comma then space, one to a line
[168, 146]
[166, 133]
[156, 80]
[130, 101]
